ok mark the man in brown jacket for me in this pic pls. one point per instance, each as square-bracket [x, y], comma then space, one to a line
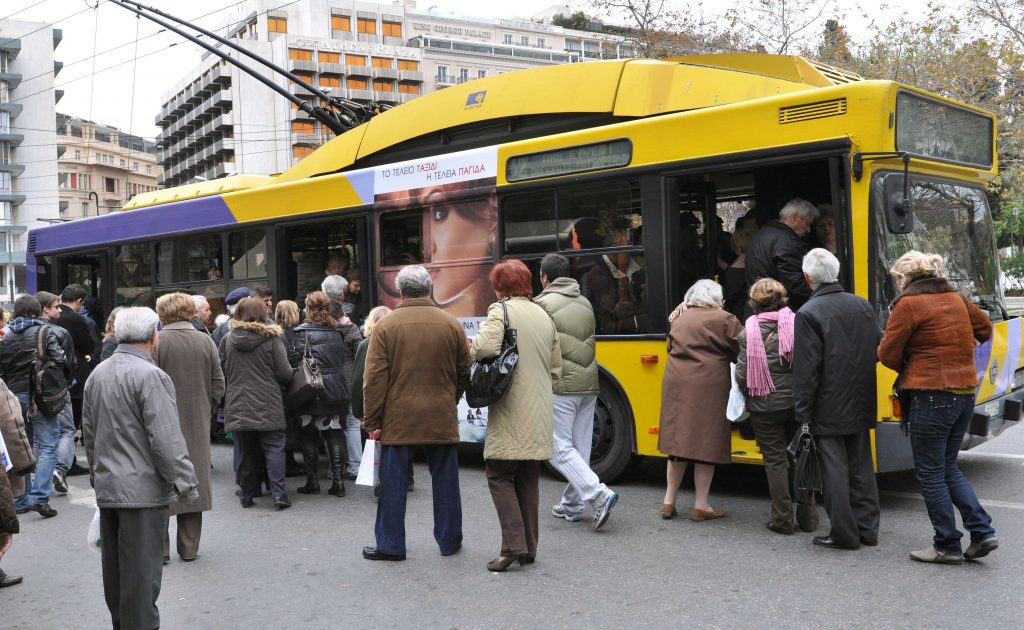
[417, 367]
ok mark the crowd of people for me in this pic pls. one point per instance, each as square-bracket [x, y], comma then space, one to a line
[804, 349]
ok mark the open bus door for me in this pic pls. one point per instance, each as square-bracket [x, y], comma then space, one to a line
[89, 269]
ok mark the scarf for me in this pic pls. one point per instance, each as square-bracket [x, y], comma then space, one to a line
[759, 377]
[21, 324]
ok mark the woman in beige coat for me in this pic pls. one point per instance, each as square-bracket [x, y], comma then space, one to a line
[702, 341]
[520, 425]
[191, 360]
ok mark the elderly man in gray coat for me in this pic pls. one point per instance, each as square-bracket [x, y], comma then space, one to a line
[139, 465]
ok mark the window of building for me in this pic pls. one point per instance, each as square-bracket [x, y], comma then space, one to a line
[326, 81]
[341, 23]
[409, 88]
[328, 57]
[300, 54]
[356, 84]
[303, 126]
[506, 38]
[391, 29]
[541, 42]
[78, 154]
[355, 60]
[407, 64]
[248, 254]
[149, 169]
[524, 40]
[124, 163]
[101, 136]
[62, 180]
[110, 184]
[442, 73]
[301, 152]
[305, 76]
[463, 75]
[85, 209]
[135, 166]
[366, 25]
[277, 25]
[383, 85]
[401, 236]
[76, 131]
[383, 62]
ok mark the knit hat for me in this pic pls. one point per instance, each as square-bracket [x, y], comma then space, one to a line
[237, 296]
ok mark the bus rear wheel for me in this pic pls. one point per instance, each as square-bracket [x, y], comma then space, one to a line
[611, 455]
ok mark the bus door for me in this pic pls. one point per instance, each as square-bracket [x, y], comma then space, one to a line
[88, 269]
[692, 234]
[313, 250]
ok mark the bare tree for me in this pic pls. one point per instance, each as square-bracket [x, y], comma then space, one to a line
[780, 26]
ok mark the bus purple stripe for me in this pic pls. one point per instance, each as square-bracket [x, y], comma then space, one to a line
[145, 223]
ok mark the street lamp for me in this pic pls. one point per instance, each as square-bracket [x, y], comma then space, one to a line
[92, 193]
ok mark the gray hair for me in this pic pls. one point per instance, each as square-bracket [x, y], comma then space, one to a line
[704, 294]
[334, 286]
[197, 301]
[413, 281]
[821, 266]
[135, 325]
[798, 207]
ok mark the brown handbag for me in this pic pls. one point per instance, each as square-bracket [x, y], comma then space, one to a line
[307, 382]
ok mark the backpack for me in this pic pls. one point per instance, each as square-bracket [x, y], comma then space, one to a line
[49, 383]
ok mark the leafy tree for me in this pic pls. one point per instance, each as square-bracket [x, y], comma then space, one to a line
[578, 21]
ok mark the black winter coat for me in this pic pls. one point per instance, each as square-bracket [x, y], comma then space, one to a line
[18, 351]
[834, 360]
[85, 344]
[327, 345]
[775, 251]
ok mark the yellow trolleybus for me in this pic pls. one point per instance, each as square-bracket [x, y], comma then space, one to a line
[636, 170]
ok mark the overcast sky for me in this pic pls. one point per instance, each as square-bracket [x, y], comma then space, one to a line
[124, 83]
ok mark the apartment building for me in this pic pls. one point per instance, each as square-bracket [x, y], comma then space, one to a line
[28, 146]
[221, 121]
[101, 167]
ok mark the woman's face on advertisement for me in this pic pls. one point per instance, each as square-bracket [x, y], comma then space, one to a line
[457, 236]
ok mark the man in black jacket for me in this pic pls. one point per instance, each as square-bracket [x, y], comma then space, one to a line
[72, 299]
[777, 250]
[834, 371]
[50, 305]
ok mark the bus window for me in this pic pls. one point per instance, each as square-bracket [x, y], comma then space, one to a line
[203, 258]
[401, 238]
[529, 223]
[165, 259]
[248, 254]
[134, 264]
[320, 249]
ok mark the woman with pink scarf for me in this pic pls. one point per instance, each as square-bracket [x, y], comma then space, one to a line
[764, 375]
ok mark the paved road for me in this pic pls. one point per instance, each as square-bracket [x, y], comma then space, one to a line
[301, 568]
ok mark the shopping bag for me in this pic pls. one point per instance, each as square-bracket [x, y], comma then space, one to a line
[5, 459]
[93, 537]
[369, 467]
[736, 410]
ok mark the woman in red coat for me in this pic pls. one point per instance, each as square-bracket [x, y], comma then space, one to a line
[930, 340]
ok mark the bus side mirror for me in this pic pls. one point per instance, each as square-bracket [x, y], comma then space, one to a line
[899, 217]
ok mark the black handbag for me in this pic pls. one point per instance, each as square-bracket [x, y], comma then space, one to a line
[806, 467]
[489, 379]
[307, 382]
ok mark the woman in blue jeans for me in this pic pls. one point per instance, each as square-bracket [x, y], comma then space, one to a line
[930, 341]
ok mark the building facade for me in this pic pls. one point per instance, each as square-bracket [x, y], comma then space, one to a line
[220, 121]
[101, 168]
[28, 146]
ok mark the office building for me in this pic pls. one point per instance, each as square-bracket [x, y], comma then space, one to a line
[28, 145]
[101, 167]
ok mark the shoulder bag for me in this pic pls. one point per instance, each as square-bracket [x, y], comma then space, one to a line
[49, 382]
[489, 379]
[307, 382]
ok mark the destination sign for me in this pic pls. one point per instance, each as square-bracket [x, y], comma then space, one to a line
[578, 159]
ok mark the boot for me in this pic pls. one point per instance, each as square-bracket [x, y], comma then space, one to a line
[336, 453]
[310, 456]
[312, 484]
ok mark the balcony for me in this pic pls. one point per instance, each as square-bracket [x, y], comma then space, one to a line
[10, 46]
[57, 95]
[369, 38]
[57, 67]
[12, 108]
[306, 139]
[385, 73]
[14, 139]
[410, 76]
[298, 90]
[13, 79]
[342, 35]
[405, 98]
[336, 69]
[13, 169]
[388, 97]
[58, 35]
[360, 95]
[443, 81]
[390, 40]
[359, 71]
[11, 197]
[301, 65]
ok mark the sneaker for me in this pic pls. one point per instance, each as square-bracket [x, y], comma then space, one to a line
[560, 512]
[934, 556]
[602, 513]
[981, 548]
[60, 482]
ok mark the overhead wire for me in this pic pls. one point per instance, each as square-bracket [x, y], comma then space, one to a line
[46, 25]
[34, 5]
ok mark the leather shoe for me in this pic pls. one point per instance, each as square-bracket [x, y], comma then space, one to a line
[778, 529]
[77, 470]
[10, 580]
[282, 502]
[869, 542]
[828, 543]
[707, 515]
[372, 553]
[43, 509]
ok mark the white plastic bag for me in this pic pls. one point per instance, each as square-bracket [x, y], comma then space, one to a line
[369, 467]
[93, 537]
[736, 410]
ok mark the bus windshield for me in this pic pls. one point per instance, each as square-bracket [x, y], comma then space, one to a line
[951, 219]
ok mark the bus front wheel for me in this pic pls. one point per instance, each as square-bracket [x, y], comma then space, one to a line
[611, 454]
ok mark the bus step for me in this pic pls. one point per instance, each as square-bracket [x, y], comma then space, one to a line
[979, 424]
[1012, 409]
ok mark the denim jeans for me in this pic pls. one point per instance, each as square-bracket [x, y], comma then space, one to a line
[66, 444]
[354, 443]
[938, 422]
[45, 435]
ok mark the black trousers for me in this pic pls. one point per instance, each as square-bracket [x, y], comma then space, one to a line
[257, 449]
[849, 487]
[132, 559]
